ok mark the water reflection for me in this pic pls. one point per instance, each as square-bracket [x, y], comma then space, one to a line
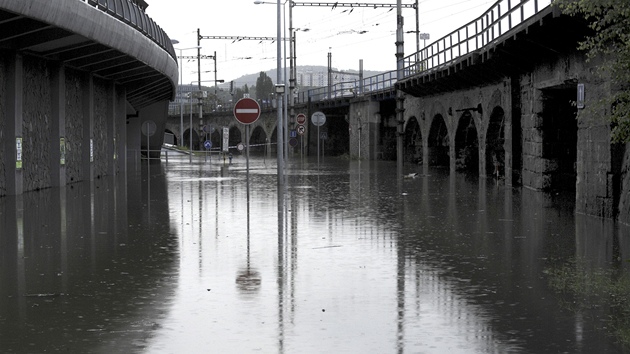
[83, 269]
[350, 258]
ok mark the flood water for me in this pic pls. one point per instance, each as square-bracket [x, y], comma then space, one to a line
[207, 258]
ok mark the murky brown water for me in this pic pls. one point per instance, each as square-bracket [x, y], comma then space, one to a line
[198, 260]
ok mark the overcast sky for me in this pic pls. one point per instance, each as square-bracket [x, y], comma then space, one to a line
[350, 33]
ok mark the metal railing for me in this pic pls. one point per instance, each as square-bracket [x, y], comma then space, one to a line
[129, 13]
[501, 18]
[369, 85]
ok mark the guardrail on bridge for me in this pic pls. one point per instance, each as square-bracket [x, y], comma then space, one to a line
[129, 13]
[498, 20]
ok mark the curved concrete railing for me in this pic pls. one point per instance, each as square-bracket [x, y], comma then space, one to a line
[100, 21]
[498, 20]
[131, 14]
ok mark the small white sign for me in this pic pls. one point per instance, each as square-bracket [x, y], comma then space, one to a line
[226, 139]
[18, 153]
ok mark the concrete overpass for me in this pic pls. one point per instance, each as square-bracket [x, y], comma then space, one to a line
[77, 80]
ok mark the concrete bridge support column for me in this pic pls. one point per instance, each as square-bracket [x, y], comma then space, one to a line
[363, 119]
[156, 113]
[87, 154]
[120, 130]
[58, 127]
[13, 126]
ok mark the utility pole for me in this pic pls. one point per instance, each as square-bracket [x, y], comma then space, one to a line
[400, 98]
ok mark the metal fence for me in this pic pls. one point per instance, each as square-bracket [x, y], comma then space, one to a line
[129, 13]
[502, 17]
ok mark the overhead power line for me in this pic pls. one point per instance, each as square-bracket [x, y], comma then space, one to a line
[351, 4]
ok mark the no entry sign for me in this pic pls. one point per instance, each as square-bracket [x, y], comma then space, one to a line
[301, 118]
[246, 110]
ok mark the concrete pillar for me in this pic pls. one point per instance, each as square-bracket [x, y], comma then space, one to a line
[120, 138]
[13, 133]
[87, 155]
[58, 128]
[111, 129]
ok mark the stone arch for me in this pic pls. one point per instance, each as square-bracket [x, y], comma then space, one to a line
[196, 141]
[495, 144]
[235, 136]
[258, 140]
[413, 141]
[175, 137]
[438, 143]
[216, 140]
[467, 144]
[273, 140]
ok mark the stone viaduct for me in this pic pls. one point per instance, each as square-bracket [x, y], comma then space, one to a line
[516, 108]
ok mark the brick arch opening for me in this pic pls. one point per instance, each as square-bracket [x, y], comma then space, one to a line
[258, 141]
[413, 142]
[170, 137]
[273, 148]
[495, 144]
[467, 145]
[235, 138]
[215, 137]
[196, 141]
[559, 132]
[438, 143]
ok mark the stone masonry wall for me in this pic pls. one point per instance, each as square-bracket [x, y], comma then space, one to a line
[595, 174]
[624, 202]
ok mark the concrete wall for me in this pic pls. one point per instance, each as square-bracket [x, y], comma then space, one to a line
[72, 126]
[3, 123]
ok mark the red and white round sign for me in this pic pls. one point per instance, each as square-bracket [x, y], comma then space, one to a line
[301, 118]
[246, 110]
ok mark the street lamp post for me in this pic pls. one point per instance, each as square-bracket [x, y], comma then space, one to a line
[280, 89]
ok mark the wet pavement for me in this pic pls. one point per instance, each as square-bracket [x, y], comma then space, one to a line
[208, 258]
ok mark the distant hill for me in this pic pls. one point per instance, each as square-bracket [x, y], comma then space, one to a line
[250, 79]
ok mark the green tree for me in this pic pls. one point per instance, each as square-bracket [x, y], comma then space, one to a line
[264, 86]
[610, 41]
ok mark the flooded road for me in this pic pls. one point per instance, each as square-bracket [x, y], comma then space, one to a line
[207, 258]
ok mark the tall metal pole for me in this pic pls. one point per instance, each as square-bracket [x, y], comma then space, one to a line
[216, 99]
[181, 103]
[280, 167]
[200, 98]
[286, 87]
[417, 28]
[292, 82]
[400, 111]
[190, 131]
